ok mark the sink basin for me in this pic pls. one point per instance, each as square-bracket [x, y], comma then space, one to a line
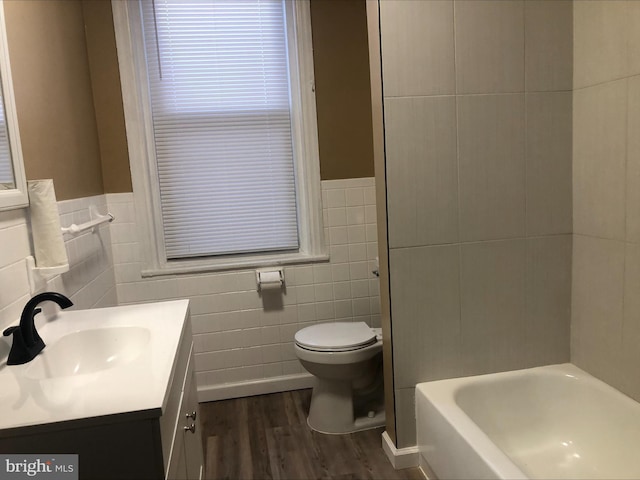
[98, 362]
[89, 351]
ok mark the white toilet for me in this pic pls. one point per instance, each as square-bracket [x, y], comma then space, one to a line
[346, 359]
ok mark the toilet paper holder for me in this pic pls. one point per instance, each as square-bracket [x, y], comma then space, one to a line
[38, 276]
[270, 279]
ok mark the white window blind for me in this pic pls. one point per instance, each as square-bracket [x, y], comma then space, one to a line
[6, 167]
[219, 87]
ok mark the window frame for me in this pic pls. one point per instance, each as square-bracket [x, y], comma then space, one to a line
[16, 197]
[138, 122]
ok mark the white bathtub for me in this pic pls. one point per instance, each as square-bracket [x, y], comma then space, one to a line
[554, 422]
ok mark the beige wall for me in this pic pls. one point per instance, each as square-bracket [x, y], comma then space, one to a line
[343, 94]
[70, 104]
[53, 94]
[605, 325]
[478, 150]
[107, 95]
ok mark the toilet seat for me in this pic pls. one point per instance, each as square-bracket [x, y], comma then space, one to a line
[336, 337]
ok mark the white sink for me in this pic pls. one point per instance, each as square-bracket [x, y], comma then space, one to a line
[89, 351]
[98, 362]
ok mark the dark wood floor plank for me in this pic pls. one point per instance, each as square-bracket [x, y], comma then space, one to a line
[350, 476]
[245, 452]
[267, 437]
[361, 448]
[289, 453]
[336, 453]
[258, 440]
[414, 474]
[364, 443]
[218, 420]
[383, 467]
[274, 410]
[228, 458]
[218, 416]
[295, 407]
[234, 459]
[211, 458]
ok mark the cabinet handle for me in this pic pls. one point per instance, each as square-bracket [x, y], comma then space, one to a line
[192, 415]
[191, 429]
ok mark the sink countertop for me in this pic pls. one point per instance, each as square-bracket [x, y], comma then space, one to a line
[139, 386]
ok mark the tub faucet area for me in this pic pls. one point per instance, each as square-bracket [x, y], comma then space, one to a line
[26, 341]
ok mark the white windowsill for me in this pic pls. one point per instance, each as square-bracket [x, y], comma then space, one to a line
[200, 266]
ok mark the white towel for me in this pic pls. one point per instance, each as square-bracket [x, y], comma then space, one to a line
[45, 225]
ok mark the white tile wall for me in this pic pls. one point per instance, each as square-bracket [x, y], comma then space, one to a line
[237, 336]
[90, 281]
[605, 314]
[14, 286]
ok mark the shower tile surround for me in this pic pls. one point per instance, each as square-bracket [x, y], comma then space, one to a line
[239, 339]
[479, 180]
[605, 324]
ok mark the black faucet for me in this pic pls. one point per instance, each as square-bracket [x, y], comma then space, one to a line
[26, 341]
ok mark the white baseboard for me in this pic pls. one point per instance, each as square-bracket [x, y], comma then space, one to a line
[211, 393]
[400, 457]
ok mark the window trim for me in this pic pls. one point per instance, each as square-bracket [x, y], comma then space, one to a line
[16, 197]
[137, 109]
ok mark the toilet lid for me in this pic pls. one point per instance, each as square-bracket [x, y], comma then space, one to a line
[336, 336]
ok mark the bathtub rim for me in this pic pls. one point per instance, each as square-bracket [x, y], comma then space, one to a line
[441, 396]
[467, 440]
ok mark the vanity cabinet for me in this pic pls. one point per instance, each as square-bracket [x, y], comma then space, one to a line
[181, 435]
[155, 439]
[186, 457]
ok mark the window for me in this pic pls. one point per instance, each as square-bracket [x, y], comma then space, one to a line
[220, 110]
[6, 165]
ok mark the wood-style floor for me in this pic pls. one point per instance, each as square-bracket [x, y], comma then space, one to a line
[267, 437]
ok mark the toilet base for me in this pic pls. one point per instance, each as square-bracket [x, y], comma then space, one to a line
[336, 410]
[359, 424]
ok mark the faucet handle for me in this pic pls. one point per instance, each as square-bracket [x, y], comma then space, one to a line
[9, 331]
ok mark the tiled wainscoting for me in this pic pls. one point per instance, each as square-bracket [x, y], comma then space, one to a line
[14, 284]
[90, 281]
[244, 343]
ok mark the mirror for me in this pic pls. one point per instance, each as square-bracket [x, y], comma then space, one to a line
[13, 188]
